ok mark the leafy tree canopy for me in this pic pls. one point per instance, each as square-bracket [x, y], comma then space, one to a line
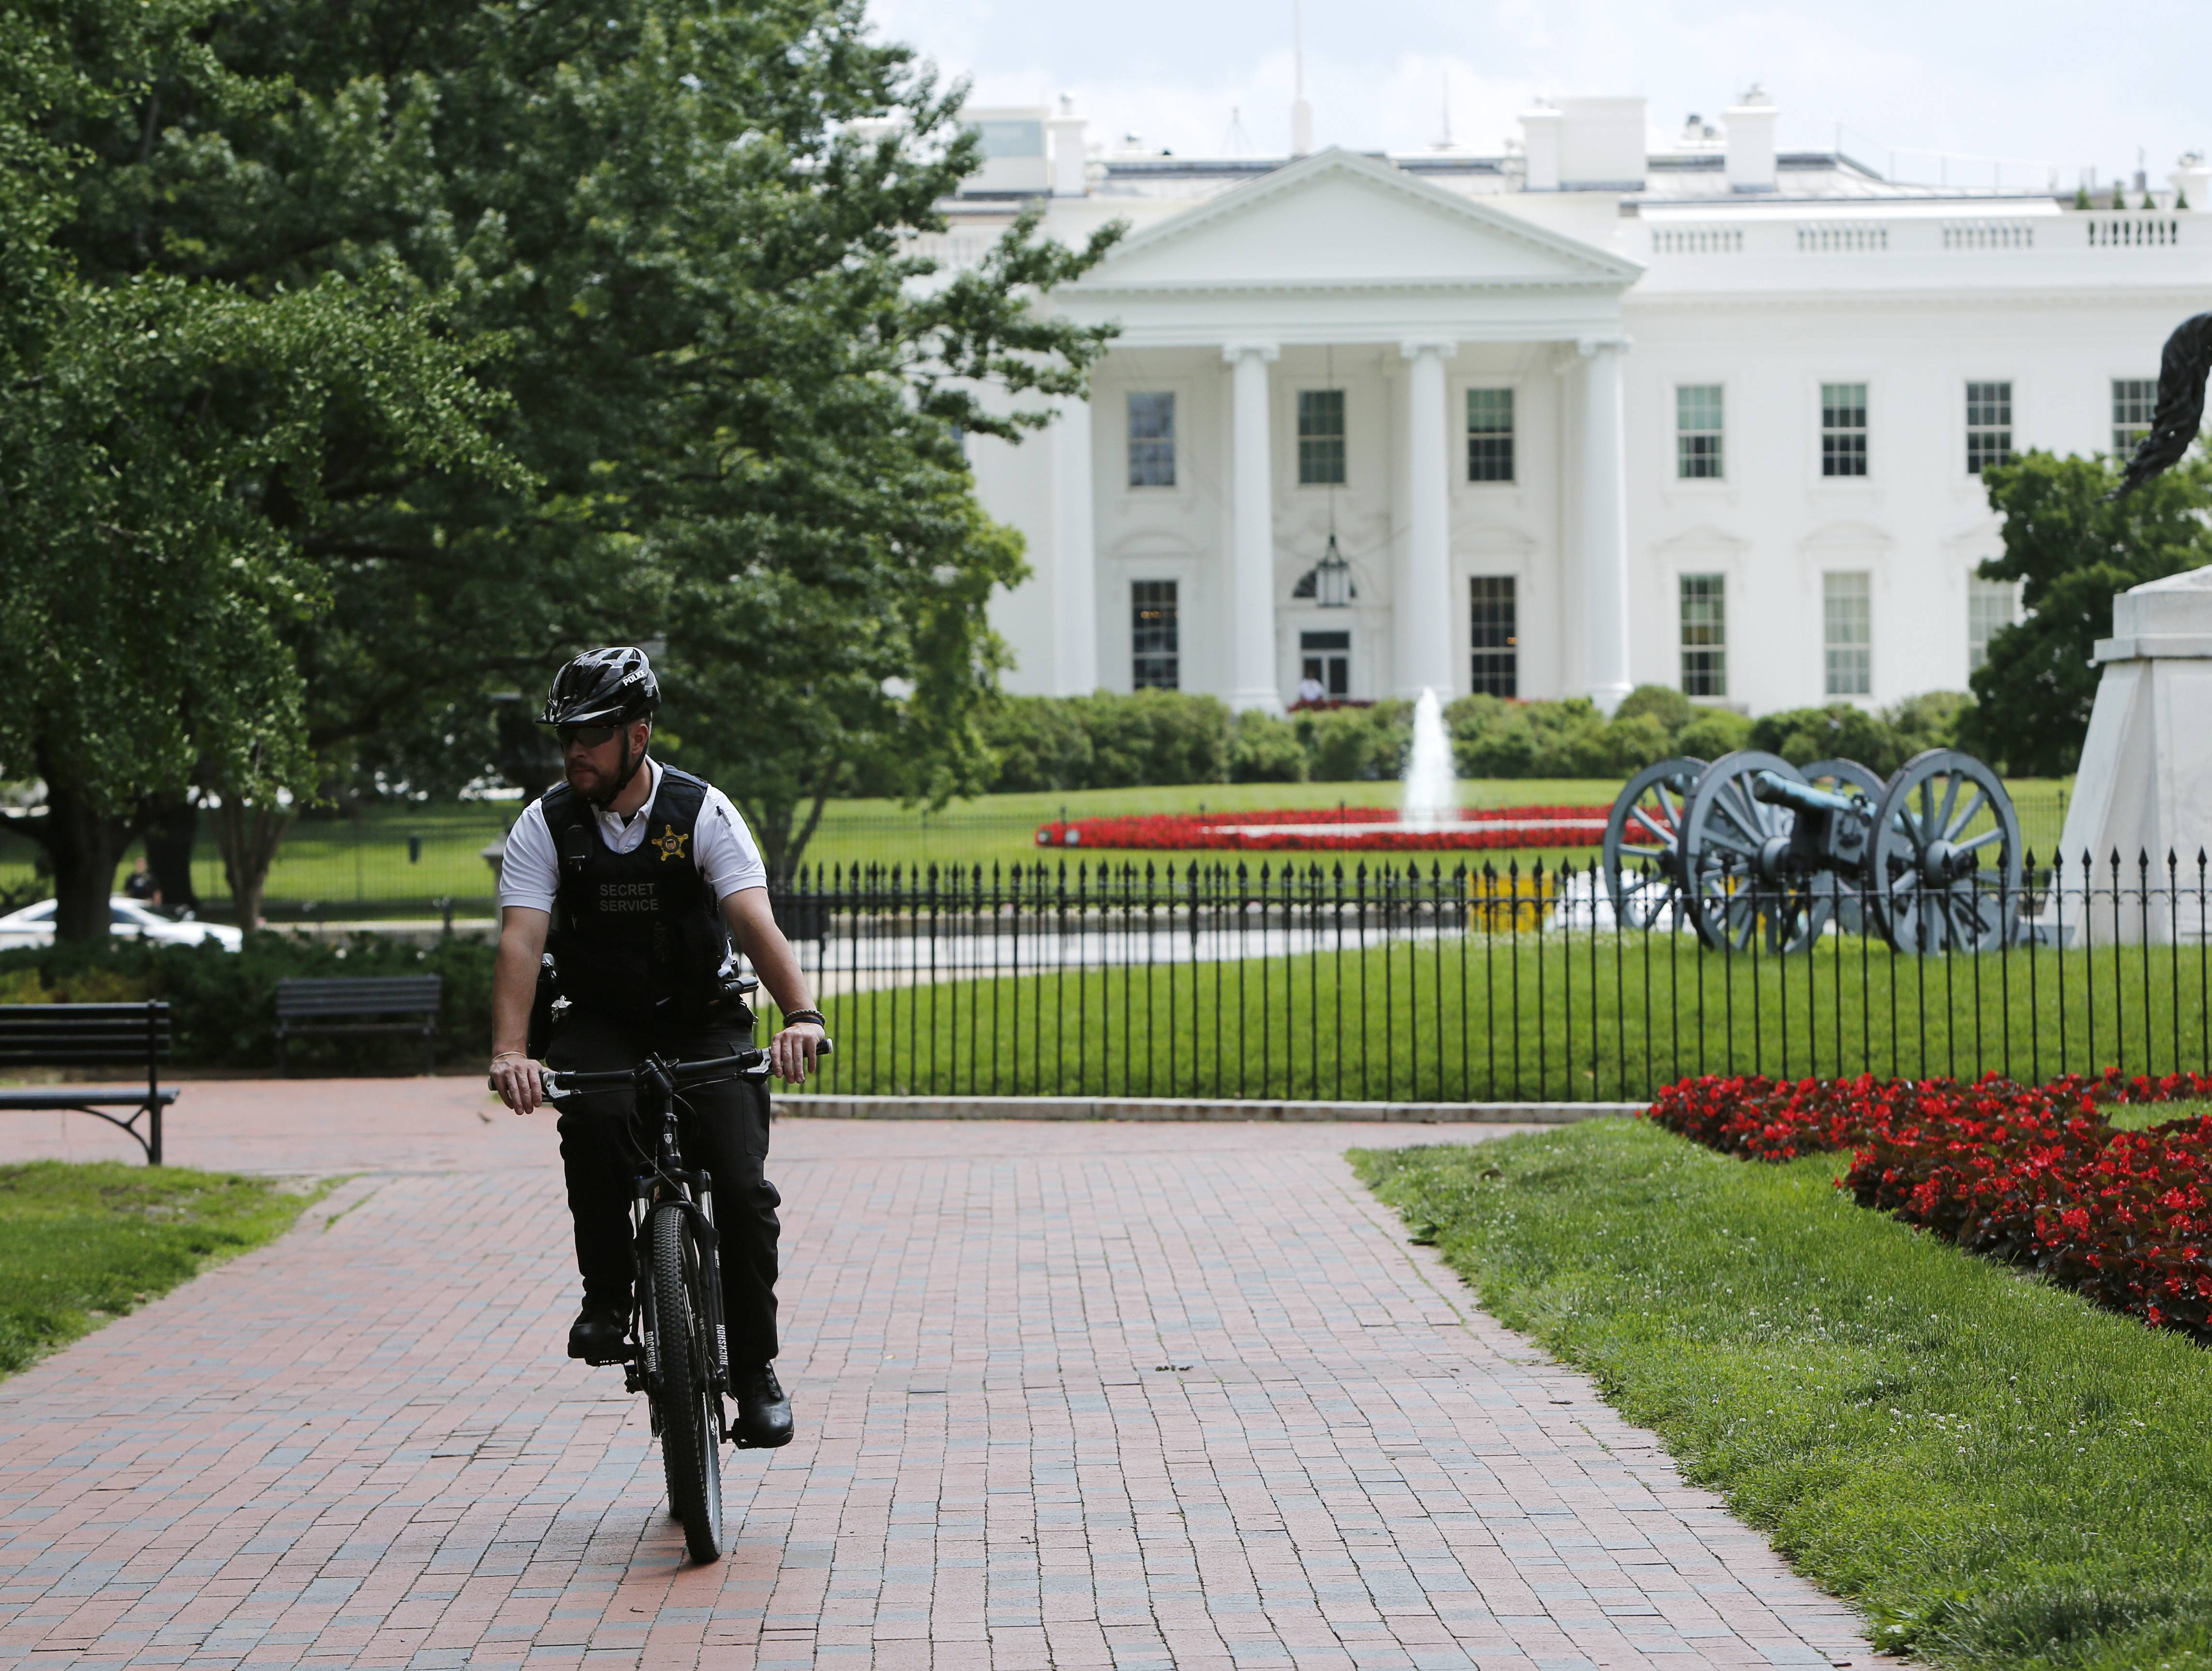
[678, 238]
[159, 432]
[2072, 546]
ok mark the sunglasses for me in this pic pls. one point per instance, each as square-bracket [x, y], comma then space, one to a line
[590, 736]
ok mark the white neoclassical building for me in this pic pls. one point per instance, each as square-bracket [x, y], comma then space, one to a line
[1560, 422]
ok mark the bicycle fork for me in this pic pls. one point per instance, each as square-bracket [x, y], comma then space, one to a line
[641, 1369]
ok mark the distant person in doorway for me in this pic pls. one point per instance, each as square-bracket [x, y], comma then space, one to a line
[1310, 690]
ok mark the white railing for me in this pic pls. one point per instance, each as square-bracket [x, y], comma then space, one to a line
[1989, 235]
[1696, 240]
[951, 250]
[1841, 238]
[2132, 231]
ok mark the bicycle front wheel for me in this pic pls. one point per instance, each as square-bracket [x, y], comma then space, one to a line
[691, 1435]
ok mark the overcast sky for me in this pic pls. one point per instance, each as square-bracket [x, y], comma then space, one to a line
[2068, 86]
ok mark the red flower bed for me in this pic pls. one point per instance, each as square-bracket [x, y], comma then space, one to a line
[2033, 1174]
[1336, 829]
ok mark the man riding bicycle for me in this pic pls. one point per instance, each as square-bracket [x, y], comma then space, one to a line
[637, 877]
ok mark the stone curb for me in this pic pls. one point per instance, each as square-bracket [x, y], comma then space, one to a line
[830, 1107]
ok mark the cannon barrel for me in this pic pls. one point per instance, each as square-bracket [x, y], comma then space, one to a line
[1778, 791]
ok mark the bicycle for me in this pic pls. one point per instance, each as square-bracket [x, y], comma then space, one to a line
[678, 1352]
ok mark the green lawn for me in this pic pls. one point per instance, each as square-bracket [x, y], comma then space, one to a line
[1998, 1474]
[80, 1243]
[1504, 1016]
[364, 866]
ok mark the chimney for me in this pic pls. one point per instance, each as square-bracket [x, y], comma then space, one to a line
[1068, 162]
[1601, 146]
[1539, 142]
[1751, 142]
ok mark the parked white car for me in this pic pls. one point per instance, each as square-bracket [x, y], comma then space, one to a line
[130, 918]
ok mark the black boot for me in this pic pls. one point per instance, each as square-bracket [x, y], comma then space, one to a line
[763, 1409]
[596, 1336]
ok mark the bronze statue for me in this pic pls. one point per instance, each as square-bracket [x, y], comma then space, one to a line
[2181, 373]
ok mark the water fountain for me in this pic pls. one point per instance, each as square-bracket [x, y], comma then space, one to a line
[1431, 796]
[1427, 818]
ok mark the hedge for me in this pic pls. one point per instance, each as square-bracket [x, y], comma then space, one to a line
[222, 1005]
[1111, 741]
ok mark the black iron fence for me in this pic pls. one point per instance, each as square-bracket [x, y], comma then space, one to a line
[1411, 981]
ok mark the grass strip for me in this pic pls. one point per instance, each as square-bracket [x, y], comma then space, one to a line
[83, 1242]
[1485, 1017]
[1999, 1473]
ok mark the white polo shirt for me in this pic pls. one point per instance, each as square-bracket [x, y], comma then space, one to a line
[721, 845]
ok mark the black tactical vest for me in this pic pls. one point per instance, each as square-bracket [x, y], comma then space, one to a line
[637, 936]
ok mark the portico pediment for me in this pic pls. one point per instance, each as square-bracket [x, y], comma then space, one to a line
[1339, 220]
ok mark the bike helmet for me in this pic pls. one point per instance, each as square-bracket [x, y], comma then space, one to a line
[612, 686]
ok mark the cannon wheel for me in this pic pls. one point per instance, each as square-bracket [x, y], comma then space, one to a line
[1945, 862]
[1847, 777]
[1644, 876]
[1732, 844]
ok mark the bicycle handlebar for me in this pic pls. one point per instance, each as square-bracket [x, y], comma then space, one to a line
[746, 1065]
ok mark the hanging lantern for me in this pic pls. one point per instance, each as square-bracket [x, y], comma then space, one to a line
[1332, 578]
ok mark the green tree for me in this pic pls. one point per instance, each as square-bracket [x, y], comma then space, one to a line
[161, 437]
[735, 388]
[2072, 546]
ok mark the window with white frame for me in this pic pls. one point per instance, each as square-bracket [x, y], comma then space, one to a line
[1490, 435]
[1992, 606]
[1843, 429]
[1321, 438]
[1705, 634]
[2134, 400]
[1847, 631]
[1153, 439]
[1155, 636]
[1494, 630]
[1697, 431]
[1988, 426]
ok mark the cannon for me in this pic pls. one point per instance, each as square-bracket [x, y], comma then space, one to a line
[1751, 847]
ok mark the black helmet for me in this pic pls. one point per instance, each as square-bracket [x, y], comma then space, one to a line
[612, 686]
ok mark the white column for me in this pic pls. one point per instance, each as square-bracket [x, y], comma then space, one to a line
[1252, 533]
[1605, 518]
[1422, 608]
[1074, 560]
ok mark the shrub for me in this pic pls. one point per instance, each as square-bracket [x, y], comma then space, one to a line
[1714, 732]
[1635, 741]
[1155, 737]
[1933, 719]
[1357, 745]
[1662, 702]
[1263, 748]
[1804, 735]
[1040, 742]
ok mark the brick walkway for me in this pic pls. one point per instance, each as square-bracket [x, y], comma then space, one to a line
[1109, 1396]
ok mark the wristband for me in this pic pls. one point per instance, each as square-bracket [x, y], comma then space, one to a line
[816, 1017]
[519, 1055]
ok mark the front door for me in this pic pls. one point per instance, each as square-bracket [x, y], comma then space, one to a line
[1325, 658]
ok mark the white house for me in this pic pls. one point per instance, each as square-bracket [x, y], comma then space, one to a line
[1577, 418]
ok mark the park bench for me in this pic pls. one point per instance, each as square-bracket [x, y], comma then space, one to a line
[364, 1003]
[91, 1035]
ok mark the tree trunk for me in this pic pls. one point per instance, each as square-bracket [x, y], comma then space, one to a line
[169, 826]
[248, 837]
[781, 847]
[85, 845]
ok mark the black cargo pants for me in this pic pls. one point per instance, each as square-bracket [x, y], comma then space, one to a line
[724, 1127]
